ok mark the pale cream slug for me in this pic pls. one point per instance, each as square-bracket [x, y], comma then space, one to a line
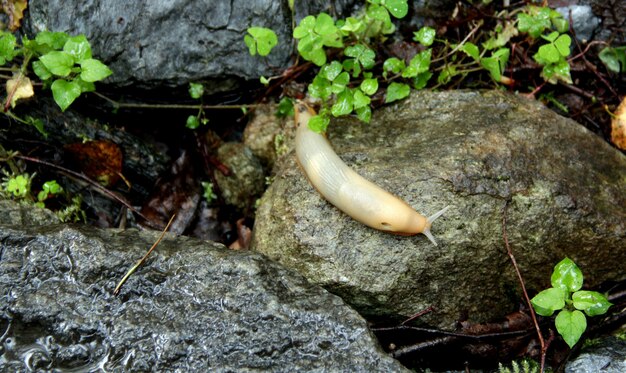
[350, 192]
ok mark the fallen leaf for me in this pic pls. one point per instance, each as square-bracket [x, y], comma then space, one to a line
[618, 126]
[15, 10]
[100, 160]
[18, 87]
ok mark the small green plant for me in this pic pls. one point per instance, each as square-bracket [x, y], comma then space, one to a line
[260, 40]
[63, 63]
[551, 55]
[614, 58]
[526, 366]
[566, 297]
[17, 186]
[48, 189]
[196, 91]
[73, 212]
[209, 195]
[352, 71]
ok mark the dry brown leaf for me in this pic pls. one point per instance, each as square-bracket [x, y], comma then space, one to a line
[15, 10]
[100, 160]
[618, 126]
[18, 87]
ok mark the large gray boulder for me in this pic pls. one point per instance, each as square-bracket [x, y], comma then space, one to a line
[194, 306]
[488, 155]
[160, 43]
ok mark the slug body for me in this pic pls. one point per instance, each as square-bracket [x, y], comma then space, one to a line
[363, 200]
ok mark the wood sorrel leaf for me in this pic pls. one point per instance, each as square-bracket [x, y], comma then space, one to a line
[397, 91]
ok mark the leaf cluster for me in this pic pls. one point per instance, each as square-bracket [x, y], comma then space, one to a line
[565, 295]
[196, 91]
[63, 63]
[356, 72]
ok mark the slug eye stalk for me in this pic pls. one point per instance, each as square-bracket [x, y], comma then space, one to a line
[429, 222]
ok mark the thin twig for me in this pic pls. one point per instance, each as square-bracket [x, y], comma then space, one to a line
[419, 314]
[127, 105]
[455, 49]
[142, 260]
[526, 297]
[93, 183]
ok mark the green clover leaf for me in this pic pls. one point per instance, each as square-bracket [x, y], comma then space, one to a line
[196, 90]
[397, 91]
[261, 40]
[369, 86]
[397, 8]
[364, 55]
[344, 103]
[425, 35]
[420, 63]
[7, 47]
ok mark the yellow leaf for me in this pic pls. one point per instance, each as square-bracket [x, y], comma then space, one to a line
[618, 126]
[15, 10]
[19, 87]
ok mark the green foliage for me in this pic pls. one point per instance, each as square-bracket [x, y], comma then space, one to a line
[526, 366]
[565, 295]
[285, 108]
[538, 19]
[7, 47]
[261, 40]
[208, 194]
[17, 185]
[426, 36]
[48, 189]
[551, 55]
[196, 91]
[352, 74]
[73, 212]
[315, 33]
[62, 62]
[614, 58]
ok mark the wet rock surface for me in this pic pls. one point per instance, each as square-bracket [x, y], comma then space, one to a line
[245, 182]
[194, 306]
[155, 43]
[607, 355]
[487, 155]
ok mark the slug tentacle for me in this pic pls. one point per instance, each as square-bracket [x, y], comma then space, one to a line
[348, 191]
[429, 222]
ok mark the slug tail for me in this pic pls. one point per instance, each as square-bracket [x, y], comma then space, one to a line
[430, 221]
